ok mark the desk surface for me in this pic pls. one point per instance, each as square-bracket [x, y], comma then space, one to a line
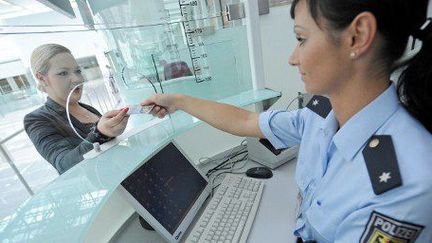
[65, 210]
[274, 221]
[276, 216]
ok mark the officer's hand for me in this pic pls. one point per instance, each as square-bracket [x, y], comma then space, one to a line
[113, 123]
[164, 104]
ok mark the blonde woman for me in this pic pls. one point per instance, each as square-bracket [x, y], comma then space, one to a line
[57, 72]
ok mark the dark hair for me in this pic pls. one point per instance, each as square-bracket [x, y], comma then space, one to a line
[397, 20]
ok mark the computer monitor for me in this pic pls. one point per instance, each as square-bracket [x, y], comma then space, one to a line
[167, 190]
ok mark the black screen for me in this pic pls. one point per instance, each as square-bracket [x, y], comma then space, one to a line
[270, 147]
[167, 186]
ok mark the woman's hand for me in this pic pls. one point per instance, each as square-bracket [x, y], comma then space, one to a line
[113, 123]
[164, 104]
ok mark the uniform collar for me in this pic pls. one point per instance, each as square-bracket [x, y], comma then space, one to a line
[330, 124]
[354, 134]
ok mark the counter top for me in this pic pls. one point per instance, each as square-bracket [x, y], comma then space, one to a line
[65, 209]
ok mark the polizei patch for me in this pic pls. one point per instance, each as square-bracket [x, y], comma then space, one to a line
[381, 228]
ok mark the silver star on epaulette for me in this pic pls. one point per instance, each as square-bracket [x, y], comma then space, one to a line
[315, 102]
[384, 177]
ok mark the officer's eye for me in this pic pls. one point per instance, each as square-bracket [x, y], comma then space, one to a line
[300, 40]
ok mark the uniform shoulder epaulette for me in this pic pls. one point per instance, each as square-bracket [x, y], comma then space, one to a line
[320, 105]
[382, 165]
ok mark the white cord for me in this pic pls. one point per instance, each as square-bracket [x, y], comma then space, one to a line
[206, 160]
[68, 115]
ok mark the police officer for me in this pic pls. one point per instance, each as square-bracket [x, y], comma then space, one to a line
[364, 164]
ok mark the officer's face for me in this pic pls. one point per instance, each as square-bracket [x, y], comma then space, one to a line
[323, 65]
[63, 74]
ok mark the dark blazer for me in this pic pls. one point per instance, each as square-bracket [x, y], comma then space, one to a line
[54, 139]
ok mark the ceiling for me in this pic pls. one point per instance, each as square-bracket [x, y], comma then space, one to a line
[16, 8]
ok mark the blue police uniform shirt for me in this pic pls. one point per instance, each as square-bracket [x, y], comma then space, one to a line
[338, 201]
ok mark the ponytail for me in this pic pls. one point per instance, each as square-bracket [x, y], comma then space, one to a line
[397, 20]
[415, 81]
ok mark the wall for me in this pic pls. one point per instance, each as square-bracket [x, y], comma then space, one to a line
[277, 42]
[277, 35]
[11, 68]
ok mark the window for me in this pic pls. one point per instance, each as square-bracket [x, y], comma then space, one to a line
[5, 86]
[22, 82]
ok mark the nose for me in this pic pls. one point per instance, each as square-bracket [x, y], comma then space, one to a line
[77, 78]
[293, 59]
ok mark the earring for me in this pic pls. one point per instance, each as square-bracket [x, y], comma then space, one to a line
[353, 54]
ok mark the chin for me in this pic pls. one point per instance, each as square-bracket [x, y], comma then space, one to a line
[314, 89]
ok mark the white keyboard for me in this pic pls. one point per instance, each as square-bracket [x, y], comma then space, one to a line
[229, 215]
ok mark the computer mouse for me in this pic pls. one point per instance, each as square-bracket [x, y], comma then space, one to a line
[259, 172]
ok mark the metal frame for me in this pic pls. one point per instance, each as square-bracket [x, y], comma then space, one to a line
[254, 42]
[255, 48]
[8, 159]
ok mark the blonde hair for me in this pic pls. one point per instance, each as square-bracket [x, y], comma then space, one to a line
[40, 57]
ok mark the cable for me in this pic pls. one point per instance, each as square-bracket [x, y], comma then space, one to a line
[206, 160]
[225, 161]
[218, 161]
[142, 76]
[298, 97]
[233, 163]
[232, 169]
[228, 155]
[68, 115]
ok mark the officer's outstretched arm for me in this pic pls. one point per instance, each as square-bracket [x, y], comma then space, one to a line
[225, 117]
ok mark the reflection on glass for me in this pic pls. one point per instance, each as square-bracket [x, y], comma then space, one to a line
[180, 46]
[143, 48]
[27, 220]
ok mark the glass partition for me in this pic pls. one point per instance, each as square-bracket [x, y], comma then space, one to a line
[128, 50]
[178, 46]
[142, 70]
